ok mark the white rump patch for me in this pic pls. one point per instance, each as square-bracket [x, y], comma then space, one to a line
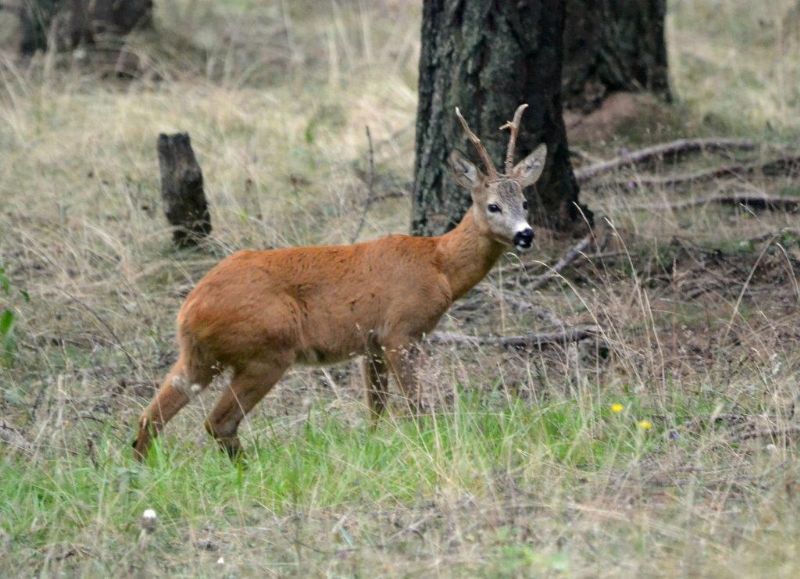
[223, 379]
[181, 384]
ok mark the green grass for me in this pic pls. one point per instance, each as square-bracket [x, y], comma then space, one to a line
[79, 511]
[324, 463]
[321, 465]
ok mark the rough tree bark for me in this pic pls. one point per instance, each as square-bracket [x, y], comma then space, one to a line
[35, 17]
[67, 24]
[185, 202]
[487, 57]
[613, 45]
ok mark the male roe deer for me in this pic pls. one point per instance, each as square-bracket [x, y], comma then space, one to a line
[259, 312]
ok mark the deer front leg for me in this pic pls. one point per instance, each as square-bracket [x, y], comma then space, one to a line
[402, 363]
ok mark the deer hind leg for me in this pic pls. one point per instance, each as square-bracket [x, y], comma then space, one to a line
[175, 392]
[247, 387]
[376, 381]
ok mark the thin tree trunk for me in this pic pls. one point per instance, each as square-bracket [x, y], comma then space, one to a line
[487, 57]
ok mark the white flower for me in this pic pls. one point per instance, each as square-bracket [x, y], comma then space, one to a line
[148, 521]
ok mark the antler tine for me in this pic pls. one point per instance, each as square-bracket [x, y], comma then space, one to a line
[487, 160]
[513, 126]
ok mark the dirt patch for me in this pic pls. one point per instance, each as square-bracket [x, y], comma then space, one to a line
[615, 115]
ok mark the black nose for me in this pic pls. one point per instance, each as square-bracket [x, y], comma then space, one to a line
[524, 238]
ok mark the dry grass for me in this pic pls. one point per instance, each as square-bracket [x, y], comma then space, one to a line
[522, 468]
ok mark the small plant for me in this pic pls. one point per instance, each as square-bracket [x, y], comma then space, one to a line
[8, 318]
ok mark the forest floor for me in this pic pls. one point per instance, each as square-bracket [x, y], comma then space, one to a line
[665, 445]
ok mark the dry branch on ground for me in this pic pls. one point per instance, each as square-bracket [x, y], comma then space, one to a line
[676, 148]
[524, 342]
[750, 200]
[570, 256]
[785, 165]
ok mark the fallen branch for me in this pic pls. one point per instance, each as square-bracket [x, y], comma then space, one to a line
[526, 342]
[770, 433]
[571, 255]
[786, 165]
[584, 155]
[753, 201]
[679, 147]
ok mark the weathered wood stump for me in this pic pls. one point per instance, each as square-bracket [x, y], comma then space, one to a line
[185, 202]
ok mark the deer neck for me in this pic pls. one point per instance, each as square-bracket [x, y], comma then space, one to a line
[467, 254]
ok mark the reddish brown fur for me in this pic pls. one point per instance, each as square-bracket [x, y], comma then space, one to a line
[259, 312]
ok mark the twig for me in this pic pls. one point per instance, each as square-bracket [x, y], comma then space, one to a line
[525, 342]
[679, 147]
[104, 324]
[543, 314]
[786, 165]
[370, 186]
[753, 201]
[12, 437]
[395, 194]
[517, 303]
[597, 254]
[771, 433]
[783, 231]
[562, 264]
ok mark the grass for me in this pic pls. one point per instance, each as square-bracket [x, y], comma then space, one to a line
[476, 450]
[520, 467]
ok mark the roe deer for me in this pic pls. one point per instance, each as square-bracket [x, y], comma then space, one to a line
[258, 312]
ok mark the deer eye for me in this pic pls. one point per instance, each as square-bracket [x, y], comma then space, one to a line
[525, 205]
[494, 208]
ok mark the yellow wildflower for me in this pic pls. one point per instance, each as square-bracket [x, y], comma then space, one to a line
[616, 408]
[645, 424]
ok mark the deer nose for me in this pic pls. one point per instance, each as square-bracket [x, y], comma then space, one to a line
[524, 238]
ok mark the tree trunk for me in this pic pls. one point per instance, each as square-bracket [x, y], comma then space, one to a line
[613, 45]
[36, 17]
[72, 23]
[487, 57]
[182, 190]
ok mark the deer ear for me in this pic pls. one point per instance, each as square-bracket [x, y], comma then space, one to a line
[528, 171]
[465, 173]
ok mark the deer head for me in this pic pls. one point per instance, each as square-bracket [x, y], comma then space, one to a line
[500, 208]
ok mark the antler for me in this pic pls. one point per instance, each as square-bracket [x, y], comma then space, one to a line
[513, 126]
[487, 160]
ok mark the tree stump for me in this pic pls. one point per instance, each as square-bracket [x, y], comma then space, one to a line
[185, 202]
